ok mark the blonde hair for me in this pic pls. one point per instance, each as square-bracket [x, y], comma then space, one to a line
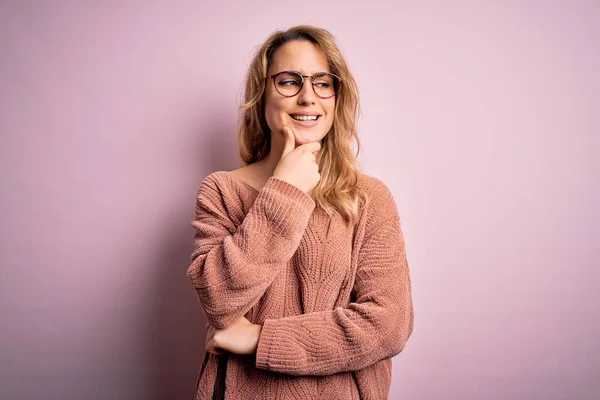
[337, 192]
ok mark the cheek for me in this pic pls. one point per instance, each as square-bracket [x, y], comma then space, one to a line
[330, 112]
[273, 110]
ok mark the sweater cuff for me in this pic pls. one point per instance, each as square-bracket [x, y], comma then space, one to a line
[285, 205]
[272, 351]
[265, 343]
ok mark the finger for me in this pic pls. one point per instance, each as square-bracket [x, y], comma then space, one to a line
[290, 141]
[211, 348]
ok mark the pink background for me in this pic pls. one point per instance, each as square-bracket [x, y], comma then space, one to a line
[482, 118]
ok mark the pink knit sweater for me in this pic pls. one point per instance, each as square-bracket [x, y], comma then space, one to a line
[334, 300]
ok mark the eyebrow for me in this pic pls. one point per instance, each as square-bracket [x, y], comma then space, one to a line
[298, 72]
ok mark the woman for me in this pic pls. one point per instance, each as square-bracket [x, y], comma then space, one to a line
[299, 261]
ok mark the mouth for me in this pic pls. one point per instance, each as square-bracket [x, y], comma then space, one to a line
[304, 117]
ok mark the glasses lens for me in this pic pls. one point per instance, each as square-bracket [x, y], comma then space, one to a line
[326, 85]
[288, 83]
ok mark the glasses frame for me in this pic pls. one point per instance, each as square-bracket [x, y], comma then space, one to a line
[312, 81]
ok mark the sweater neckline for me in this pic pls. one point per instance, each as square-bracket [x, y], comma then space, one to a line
[240, 182]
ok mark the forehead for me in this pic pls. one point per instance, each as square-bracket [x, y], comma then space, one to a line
[301, 56]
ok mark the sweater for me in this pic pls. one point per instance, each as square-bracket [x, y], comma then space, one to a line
[334, 299]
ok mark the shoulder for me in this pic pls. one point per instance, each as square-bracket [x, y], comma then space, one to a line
[380, 205]
[374, 188]
[229, 186]
[218, 189]
[215, 182]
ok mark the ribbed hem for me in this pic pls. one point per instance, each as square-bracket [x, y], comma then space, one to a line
[290, 191]
[273, 352]
[265, 343]
[285, 206]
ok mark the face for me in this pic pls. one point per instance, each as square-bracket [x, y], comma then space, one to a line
[295, 112]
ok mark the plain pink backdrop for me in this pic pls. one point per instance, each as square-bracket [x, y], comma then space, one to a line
[482, 118]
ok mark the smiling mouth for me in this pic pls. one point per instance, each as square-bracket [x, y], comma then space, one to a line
[308, 118]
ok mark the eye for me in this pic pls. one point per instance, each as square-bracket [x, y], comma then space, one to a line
[323, 81]
[322, 84]
[288, 82]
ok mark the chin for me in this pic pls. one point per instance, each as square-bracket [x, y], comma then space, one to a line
[307, 137]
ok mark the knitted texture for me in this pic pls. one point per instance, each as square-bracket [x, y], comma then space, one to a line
[334, 300]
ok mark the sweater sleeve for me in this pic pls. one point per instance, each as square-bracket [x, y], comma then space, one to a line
[231, 267]
[375, 326]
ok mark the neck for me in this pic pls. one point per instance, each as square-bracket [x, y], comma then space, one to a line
[268, 164]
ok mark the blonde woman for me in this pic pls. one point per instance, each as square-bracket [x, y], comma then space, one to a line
[299, 261]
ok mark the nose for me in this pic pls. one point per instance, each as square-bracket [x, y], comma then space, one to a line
[307, 93]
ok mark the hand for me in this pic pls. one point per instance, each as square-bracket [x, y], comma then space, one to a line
[241, 337]
[298, 166]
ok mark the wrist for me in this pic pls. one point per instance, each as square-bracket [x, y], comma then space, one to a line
[258, 331]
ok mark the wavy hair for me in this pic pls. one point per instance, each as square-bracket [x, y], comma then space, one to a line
[337, 192]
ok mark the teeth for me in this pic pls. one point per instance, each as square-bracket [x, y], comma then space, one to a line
[305, 117]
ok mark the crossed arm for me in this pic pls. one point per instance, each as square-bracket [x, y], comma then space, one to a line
[231, 270]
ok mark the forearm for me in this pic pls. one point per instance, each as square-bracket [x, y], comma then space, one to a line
[334, 341]
[231, 272]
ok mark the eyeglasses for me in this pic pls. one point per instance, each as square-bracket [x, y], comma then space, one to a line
[289, 83]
